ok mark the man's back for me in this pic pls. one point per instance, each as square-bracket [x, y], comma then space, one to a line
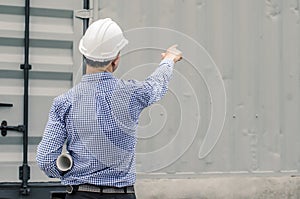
[98, 118]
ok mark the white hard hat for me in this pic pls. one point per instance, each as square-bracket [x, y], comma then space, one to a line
[102, 41]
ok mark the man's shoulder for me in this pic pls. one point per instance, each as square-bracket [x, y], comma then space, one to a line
[64, 98]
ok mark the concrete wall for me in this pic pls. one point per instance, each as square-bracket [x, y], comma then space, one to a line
[216, 187]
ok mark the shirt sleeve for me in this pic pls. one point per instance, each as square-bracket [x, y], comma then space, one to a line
[53, 140]
[154, 87]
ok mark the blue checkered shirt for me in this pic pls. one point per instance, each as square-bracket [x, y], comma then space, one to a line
[98, 119]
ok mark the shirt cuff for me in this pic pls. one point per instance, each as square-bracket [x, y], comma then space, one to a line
[168, 61]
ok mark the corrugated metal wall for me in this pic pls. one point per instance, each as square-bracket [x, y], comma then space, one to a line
[255, 45]
[54, 32]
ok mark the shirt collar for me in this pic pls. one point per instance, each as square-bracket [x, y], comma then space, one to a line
[97, 76]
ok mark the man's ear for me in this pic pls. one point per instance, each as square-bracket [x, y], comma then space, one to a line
[116, 61]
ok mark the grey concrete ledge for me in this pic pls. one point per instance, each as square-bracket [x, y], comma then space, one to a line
[240, 187]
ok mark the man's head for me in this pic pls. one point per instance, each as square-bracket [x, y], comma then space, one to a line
[97, 66]
[102, 43]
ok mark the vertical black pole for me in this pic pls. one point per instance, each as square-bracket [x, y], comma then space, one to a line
[24, 170]
[86, 5]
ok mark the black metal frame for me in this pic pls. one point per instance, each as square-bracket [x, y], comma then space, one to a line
[39, 190]
[86, 6]
[6, 105]
[24, 170]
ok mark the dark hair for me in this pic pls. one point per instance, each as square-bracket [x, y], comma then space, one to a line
[96, 64]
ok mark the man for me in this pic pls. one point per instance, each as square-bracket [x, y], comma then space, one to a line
[98, 119]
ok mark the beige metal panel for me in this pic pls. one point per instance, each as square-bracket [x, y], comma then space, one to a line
[270, 87]
[173, 17]
[53, 54]
[255, 45]
[243, 89]
[290, 93]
